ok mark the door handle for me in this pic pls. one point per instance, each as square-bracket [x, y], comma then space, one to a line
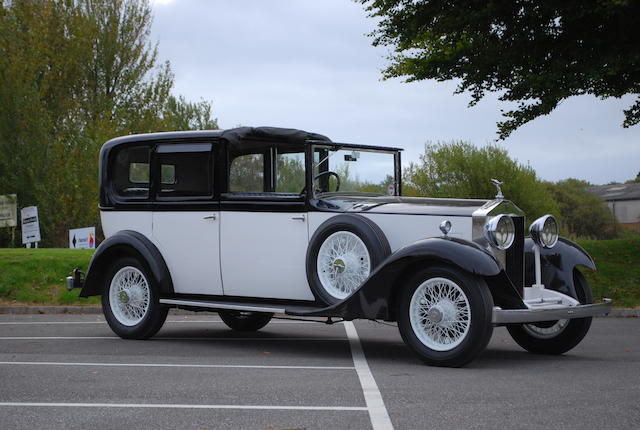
[298, 218]
[213, 217]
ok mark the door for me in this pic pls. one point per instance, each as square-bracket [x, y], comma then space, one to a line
[263, 254]
[263, 223]
[186, 218]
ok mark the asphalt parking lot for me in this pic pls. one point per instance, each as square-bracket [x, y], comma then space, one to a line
[70, 371]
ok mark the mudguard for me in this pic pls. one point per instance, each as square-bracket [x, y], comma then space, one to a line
[557, 264]
[126, 242]
[375, 298]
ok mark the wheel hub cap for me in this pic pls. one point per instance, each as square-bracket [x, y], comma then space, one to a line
[339, 265]
[434, 315]
[124, 297]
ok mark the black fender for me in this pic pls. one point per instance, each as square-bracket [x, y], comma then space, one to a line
[375, 298]
[557, 265]
[126, 242]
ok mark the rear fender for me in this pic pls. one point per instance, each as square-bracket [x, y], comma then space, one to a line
[122, 244]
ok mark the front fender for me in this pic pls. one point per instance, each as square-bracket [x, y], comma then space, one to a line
[375, 298]
[123, 243]
[557, 265]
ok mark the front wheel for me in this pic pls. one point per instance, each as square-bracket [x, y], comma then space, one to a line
[130, 300]
[245, 321]
[444, 316]
[555, 337]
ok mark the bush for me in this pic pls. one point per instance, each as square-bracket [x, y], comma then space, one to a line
[462, 170]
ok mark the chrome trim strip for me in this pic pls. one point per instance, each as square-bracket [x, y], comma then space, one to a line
[518, 316]
[221, 305]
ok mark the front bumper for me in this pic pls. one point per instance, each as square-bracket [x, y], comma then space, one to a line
[519, 316]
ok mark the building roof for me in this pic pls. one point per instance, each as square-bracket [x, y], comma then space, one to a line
[614, 192]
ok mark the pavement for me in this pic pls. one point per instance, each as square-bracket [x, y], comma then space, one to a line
[68, 371]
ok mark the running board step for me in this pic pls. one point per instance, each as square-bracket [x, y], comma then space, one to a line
[239, 306]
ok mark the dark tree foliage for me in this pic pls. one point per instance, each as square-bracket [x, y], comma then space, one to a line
[533, 52]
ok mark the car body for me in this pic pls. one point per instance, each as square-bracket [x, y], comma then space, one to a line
[250, 222]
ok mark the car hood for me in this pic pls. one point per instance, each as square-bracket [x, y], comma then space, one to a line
[409, 205]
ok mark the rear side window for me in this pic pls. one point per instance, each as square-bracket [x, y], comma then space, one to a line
[186, 170]
[130, 172]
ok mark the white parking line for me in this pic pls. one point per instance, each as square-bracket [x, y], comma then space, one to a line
[195, 366]
[104, 322]
[253, 339]
[179, 406]
[375, 405]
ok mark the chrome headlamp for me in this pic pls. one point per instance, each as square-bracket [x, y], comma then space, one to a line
[544, 231]
[500, 231]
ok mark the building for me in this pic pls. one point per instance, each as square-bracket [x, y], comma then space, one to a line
[624, 202]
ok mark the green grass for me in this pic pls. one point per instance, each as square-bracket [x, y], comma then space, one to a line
[36, 276]
[618, 274]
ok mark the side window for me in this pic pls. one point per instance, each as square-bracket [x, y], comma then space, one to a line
[130, 172]
[277, 168]
[290, 177]
[186, 170]
[246, 174]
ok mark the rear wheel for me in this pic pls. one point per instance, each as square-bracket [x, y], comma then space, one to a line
[130, 300]
[555, 337]
[444, 316]
[245, 321]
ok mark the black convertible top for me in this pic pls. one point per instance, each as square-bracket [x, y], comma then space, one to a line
[237, 136]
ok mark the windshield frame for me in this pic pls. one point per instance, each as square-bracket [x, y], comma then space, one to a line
[311, 165]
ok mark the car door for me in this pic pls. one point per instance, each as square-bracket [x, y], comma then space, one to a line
[263, 223]
[186, 216]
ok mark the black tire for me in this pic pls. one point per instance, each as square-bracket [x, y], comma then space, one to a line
[155, 314]
[366, 230]
[531, 338]
[477, 327]
[245, 321]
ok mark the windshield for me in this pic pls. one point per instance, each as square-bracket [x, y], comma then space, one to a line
[344, 170]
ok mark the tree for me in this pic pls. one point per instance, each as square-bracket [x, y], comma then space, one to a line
[583, 214]
[461, 170]
[74, 74]
[533, 52]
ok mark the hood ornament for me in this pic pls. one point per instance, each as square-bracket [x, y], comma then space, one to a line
[497, 183]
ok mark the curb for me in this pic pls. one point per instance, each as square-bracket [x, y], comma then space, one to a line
[91, 310]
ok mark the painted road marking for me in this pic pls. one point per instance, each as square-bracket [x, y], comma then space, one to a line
[375, 405]
[253, 339]
[196, 366]
[180, 406]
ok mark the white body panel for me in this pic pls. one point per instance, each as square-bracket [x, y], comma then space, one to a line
[190, 244]
[402, 230]
[115, 221]
[263, 255]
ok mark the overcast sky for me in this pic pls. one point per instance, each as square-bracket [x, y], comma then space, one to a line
[310, 65]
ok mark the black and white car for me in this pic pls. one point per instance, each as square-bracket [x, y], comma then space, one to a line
[250, 222]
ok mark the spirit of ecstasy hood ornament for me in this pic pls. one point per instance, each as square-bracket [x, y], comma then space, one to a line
[497, 183]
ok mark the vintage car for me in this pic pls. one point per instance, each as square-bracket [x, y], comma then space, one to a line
[252, 222]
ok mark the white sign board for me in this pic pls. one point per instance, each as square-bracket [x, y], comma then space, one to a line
[82, 238]
[9, 210]
[30, 225]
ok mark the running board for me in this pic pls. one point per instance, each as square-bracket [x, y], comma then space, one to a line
[239, 306]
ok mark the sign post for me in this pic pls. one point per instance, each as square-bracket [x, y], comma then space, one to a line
[82, 238]
[30, 226]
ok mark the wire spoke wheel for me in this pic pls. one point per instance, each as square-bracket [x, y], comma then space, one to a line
[440, 314]
[343, 264]
[542, 331]
[129, 296]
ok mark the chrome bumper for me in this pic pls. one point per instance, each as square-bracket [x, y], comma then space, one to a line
[518, 316]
